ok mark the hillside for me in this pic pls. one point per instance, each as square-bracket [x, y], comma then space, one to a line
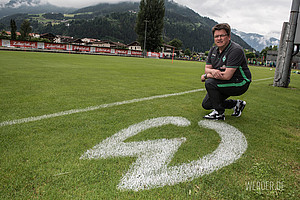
[117, 22]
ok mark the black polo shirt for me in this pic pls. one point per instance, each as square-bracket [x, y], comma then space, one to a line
[232, 57]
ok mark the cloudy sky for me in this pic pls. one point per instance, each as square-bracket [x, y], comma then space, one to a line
[251, 16]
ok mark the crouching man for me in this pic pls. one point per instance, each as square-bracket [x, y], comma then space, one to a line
[226, 74]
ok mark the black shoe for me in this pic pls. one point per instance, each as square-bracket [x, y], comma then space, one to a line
[214, 115]
[238, 109]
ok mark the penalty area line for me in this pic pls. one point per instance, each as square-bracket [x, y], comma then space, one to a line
[73, 111]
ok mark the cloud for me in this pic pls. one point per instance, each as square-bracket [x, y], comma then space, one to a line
[254, 16]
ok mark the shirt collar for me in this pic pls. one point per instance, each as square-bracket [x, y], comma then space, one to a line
[226, 48]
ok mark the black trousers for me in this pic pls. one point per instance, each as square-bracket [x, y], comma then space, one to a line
[218, 91]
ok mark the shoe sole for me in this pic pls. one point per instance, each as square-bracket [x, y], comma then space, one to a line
[214, 118]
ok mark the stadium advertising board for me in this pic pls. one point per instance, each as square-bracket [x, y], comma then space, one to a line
[121, 51]
[23, 44]
[55, 46]
[80, 48]
[70, 47]
[103, 50]
[136, 53]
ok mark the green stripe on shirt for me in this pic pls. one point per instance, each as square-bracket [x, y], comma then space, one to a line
[246, 80]
[243, 74]
[233, 84]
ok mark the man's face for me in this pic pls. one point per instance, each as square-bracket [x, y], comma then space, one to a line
[221, 38]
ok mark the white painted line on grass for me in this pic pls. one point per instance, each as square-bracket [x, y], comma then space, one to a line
[151, 169]
[73, 111]
[263, 79]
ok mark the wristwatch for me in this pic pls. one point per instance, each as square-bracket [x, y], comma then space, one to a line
[205, 76]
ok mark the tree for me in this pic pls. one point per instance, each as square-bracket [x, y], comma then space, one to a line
[150, 23]
[13, 29]
[176, 43]
[187, 52]
[250, 54]
[25, 29]
[2, 26]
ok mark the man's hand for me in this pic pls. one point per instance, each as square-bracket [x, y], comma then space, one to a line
[216, 74]
[203, 78]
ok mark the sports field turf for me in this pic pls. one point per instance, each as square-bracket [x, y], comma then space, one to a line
[56, 107]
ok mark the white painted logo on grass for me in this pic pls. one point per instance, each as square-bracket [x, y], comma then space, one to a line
[151, 167]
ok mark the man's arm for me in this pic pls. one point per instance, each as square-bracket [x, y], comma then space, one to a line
[211, 72]
[217, 74]
[227, 75]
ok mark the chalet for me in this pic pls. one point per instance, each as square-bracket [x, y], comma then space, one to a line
[115, 45]
[31, 35]
[134, 46]
[9, 33]
[48, 36]
[99, 43]
[77, 41]
[104, 43]
[89, 40]
[63, 39]
[168, 50]
[34, 35]
[118, 45]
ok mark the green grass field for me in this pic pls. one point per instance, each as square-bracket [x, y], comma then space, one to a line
[40, 159]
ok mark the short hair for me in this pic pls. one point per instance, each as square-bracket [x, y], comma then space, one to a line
[223, 26]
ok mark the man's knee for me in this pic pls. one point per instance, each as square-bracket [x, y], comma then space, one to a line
[210, 83]
[206, 105]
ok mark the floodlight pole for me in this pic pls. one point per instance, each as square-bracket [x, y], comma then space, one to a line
[146, 21]
[286, 47]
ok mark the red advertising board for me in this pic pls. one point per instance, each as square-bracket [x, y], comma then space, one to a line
[136, 53]
[153, 54]
[121, 51]
[24, 44]
[103, 50]
[55, 46]
[69, 47]
[80, 48]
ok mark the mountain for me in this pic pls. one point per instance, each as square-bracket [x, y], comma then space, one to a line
[117, 21]
[18, 3]
[180, 22]
[257, 41]
[31, 7]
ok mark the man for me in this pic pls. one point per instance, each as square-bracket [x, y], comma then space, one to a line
[226, 74]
